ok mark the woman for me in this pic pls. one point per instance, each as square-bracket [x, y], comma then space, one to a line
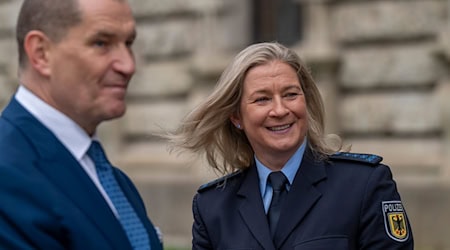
[266, 116]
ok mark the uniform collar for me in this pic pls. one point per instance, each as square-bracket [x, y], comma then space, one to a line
[289, 169]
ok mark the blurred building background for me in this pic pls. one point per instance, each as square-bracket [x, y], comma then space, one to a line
[382, 67]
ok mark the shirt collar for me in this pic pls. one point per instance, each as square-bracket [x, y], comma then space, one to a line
[69, 133]
[289, 169]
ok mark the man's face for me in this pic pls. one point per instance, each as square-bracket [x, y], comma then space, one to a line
[90, 68]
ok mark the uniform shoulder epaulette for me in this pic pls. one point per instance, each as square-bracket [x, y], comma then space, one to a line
[363, 158]
[218, 181]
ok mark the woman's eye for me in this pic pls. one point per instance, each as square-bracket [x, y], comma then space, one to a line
[262, 99]
[292, 95]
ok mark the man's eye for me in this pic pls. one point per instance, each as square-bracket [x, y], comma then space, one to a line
[100, 43]
[130, 43]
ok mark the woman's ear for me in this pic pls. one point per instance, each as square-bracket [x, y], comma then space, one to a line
[37, 46]
[236, 121]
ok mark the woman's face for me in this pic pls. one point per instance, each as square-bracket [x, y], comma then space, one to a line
[272, 111]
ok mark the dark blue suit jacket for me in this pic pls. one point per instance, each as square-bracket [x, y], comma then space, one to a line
[331, 205]
[47, 201]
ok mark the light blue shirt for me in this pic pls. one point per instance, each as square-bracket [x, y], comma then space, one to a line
[69, 133]
[289, 170]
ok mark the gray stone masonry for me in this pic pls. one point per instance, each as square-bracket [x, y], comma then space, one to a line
[365, 21]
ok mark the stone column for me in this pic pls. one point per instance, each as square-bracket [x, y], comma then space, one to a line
[319, 52]
[444, 92]
[9, 11]
[206, 55]
[206, 64]
[443, 98]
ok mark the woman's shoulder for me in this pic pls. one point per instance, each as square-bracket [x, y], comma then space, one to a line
[356, 162]
[221, 182]
[356, 158]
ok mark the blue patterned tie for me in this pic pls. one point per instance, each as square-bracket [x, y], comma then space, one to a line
[131, 223]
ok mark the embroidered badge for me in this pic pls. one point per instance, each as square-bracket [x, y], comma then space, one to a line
[395, 220]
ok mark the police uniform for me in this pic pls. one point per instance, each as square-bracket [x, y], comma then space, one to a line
[348, 201]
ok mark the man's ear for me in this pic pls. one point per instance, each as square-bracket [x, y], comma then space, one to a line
[37, 46]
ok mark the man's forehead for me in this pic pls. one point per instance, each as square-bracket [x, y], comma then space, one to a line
[108, 20]
[112, 33]
[115, 8]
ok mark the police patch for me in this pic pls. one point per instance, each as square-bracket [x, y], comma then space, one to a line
[395, 220]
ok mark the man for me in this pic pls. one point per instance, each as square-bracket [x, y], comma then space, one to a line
[57, 189]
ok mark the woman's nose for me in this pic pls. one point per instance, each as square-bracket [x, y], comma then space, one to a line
[278, 108]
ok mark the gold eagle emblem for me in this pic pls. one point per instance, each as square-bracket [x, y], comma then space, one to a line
[395, 220]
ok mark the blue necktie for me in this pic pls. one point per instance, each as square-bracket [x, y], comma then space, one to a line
[278, 181]
[135, 230]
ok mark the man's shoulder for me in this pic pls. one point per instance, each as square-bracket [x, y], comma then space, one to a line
[360, 158]
[13, 146]
[221, 182]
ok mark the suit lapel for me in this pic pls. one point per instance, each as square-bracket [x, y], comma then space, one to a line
[64, 171]
[252, 209]
[77, 186]
[133, 198]
[301, 197]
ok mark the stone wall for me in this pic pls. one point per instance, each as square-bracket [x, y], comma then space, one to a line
[382, 67]
[8, 55]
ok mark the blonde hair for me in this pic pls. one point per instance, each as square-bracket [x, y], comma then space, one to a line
[208, 129]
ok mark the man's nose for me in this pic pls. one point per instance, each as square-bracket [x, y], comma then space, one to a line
[124, 61]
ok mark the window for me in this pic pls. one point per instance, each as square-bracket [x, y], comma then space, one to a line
[276, 20]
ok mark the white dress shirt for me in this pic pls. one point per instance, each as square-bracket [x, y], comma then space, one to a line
[70, 134]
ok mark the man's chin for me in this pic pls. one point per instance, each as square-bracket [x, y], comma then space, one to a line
[115, 113]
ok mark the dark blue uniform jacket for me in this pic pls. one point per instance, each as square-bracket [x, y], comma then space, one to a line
[349, 201]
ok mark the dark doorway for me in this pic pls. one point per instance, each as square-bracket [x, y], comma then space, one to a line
[276, 20]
